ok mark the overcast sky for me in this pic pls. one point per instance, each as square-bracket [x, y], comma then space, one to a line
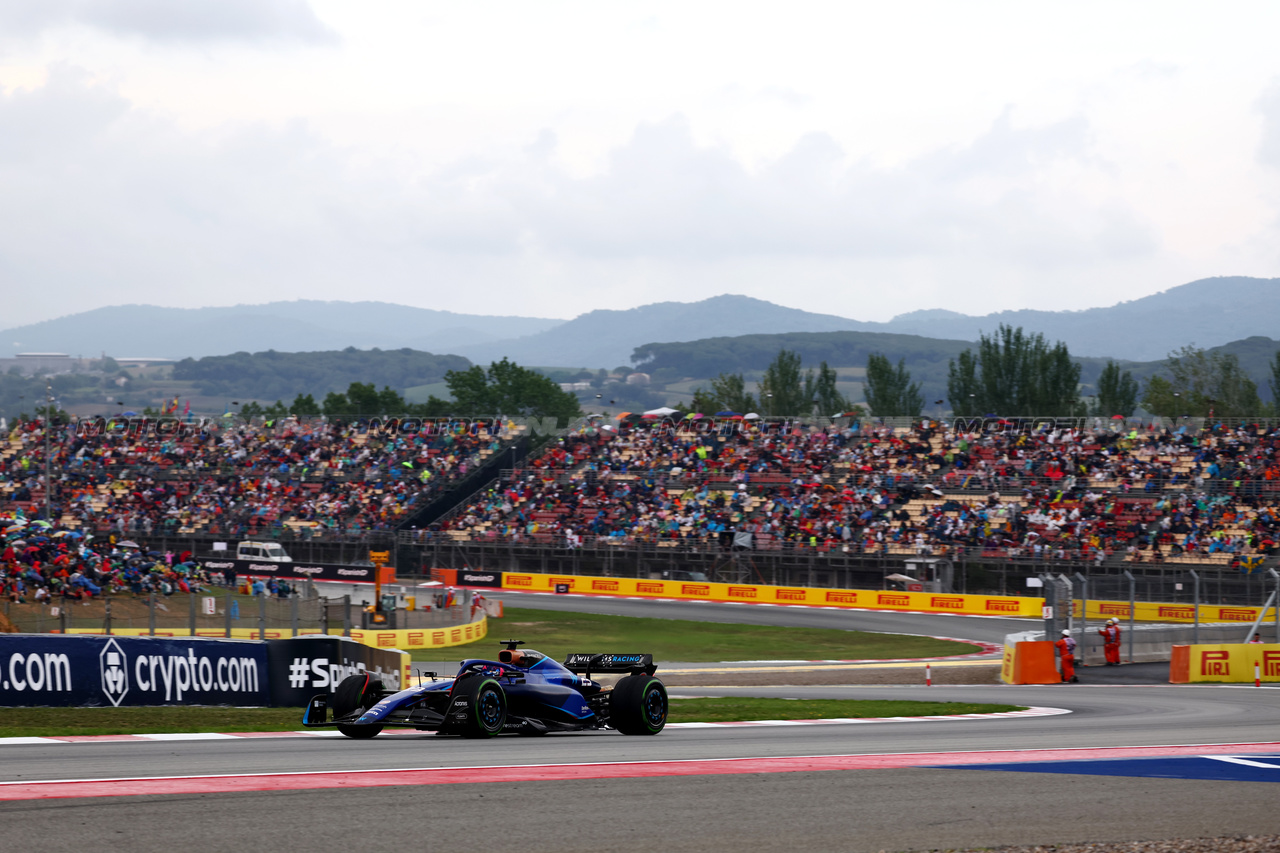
[861, 159]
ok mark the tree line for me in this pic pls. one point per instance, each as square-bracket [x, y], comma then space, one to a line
[271, 374]
[1012, 372]
[785, 390]
[504, 388]
[1009, 372]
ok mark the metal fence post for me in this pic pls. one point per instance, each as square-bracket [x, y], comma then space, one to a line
[62, 618]
[293, 613]
[151, 612]
[106, 606]
[191, 597]
[226, 610]
[262, 616]
[346, 615]
[1065, 585]
[1084, 615]
[1051, 606]
[1276, 575]
[1195, 636]
[1133, 608]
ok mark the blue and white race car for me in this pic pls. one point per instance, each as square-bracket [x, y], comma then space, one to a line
[522, 692]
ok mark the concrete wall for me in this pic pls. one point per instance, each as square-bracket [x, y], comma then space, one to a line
[1150, 642]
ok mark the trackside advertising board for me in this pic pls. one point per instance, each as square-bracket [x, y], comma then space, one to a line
[1225, 662]
[1153, 611]
[982, 605]
[404, 638]
[292, 571]
[468, 577]
[423, 638]
[50, 669]
[301, 668]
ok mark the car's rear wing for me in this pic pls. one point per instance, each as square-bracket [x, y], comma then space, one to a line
[588, 663]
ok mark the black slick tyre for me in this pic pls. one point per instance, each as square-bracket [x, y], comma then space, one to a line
[638, 705]
[357, 693]
[485, 712]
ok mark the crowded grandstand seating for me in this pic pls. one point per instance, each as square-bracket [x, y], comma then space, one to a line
[1096, 494]
[1133, 495]
[308, 478]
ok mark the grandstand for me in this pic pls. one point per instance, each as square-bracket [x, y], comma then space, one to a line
[1207, 498]
[823, 502]
[307, 478]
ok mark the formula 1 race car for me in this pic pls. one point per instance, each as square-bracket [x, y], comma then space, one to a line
[522, 692]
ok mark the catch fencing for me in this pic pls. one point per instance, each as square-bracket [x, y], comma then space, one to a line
[213, 612]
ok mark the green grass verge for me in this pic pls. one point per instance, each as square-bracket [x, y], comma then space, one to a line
[56, 722]
[558, 633]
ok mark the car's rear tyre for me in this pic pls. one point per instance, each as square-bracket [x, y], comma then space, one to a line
[638, 705]
[355, 693]
[486, 710]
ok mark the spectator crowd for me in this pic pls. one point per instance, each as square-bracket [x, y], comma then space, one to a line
[1090, 494]
[1106, 492]
[240, 481]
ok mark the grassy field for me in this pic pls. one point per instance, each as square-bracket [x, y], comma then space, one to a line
[557, 634]
[55, 722]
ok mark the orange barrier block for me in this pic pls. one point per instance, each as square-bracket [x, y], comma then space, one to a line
[1180, 665]
[1030, 663]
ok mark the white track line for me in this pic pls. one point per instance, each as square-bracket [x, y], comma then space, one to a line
[1030, 712]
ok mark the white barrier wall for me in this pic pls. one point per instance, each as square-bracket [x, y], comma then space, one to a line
[1150, 642]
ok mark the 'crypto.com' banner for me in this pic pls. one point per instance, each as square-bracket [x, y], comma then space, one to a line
[48, 669]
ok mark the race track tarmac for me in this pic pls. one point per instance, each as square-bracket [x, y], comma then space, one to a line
[901, 808]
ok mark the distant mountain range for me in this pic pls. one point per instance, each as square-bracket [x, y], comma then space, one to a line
[608, 338]
[301, 326]
[1207, 313]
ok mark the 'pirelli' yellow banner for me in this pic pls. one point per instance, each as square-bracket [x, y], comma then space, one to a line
[924, 602]
[1225, 662]
[404, 638]
[1152, 611]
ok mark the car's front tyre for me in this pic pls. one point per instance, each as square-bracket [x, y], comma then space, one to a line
[357, 693]
[485, 711]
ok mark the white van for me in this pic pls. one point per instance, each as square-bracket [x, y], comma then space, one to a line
[270, 552]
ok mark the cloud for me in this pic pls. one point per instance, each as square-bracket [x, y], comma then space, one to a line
[663, 195]
[1269, 105]
[172, 20]
[106, 203]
